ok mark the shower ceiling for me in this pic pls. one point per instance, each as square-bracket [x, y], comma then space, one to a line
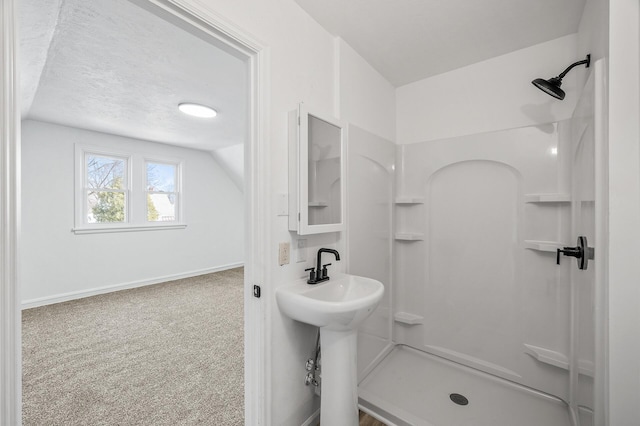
[414, 39]
[113, 67]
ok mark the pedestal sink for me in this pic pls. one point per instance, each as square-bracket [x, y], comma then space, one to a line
[338, 307]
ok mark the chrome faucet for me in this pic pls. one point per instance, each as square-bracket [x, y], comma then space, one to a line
[320, 273]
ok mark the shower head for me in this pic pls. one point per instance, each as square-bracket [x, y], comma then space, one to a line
[552, 86]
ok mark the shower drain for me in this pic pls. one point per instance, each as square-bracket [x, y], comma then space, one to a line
[459, 399]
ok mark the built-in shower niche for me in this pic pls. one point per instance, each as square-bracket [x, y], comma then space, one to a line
[477, 221]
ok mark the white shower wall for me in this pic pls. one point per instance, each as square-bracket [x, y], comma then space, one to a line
[370, 210]
[475, 223]
[469, 227]
[476, 213]
[475, 255]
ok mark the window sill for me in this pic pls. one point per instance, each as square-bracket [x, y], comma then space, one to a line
[126, 228]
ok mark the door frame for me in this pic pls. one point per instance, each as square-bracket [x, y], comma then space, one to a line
[238, 42]
[600, 242]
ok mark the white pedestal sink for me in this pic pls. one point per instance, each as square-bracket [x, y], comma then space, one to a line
[338, 307]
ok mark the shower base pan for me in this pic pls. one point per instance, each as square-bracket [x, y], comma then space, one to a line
[410, 387]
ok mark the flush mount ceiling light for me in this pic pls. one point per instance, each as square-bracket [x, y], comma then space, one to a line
[197, 110]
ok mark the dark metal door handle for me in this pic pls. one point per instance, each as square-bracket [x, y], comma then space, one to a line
[569, 251]
[582, 252]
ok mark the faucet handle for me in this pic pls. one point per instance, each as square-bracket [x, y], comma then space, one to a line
[324, 270]
[312, 275]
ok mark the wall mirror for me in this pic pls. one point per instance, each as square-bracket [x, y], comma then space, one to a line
[316, 172]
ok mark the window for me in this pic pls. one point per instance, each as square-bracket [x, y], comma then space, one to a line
[161, 192]
[118, 192]
[105, 180]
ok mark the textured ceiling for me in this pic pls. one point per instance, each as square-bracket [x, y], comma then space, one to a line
[111, 66]
[409, 40]
[114, 67]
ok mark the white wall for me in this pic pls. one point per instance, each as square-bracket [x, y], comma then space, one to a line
[56, 262]
[593, 32]
[624, 212]
[367, 100]
[231, 159]
[495, 94]
[593, 35]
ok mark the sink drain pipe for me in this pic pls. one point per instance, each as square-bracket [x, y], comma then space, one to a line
[314, 373]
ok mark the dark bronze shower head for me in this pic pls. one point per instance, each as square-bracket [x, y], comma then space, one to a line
[552, 86]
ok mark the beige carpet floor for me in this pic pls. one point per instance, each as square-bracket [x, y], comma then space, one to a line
[167, 354]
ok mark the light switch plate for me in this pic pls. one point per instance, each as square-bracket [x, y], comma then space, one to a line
[282, 205]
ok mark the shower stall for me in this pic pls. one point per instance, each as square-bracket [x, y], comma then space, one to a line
[484, 321]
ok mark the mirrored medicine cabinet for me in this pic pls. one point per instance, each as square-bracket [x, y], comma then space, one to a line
[317, 146]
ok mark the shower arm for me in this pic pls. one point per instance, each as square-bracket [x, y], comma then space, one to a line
[586, 61]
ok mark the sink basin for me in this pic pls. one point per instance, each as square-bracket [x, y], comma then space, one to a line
[342, 303]
[338, 307]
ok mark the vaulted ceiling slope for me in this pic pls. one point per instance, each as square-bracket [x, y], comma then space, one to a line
[114, 67]
[410, 40]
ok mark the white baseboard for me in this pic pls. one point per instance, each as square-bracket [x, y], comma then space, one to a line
[49, 300]
[313, 420]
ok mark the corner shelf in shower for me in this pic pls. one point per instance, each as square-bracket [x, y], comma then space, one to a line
[546, 246]
[408, 201]
[409, 236]
[547, 198]
[407, 318]
[547, 356]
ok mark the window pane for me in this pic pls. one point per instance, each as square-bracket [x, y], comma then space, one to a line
[105, 207]
[161, 177]
[161, 207]
[105, 172]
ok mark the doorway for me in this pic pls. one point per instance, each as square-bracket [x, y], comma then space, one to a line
[182, 15]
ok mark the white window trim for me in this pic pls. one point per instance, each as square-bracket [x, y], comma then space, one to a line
[136, 211]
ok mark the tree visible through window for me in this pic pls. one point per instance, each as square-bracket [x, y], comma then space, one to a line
[120, 191]
[162, 196]
[106, 183]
